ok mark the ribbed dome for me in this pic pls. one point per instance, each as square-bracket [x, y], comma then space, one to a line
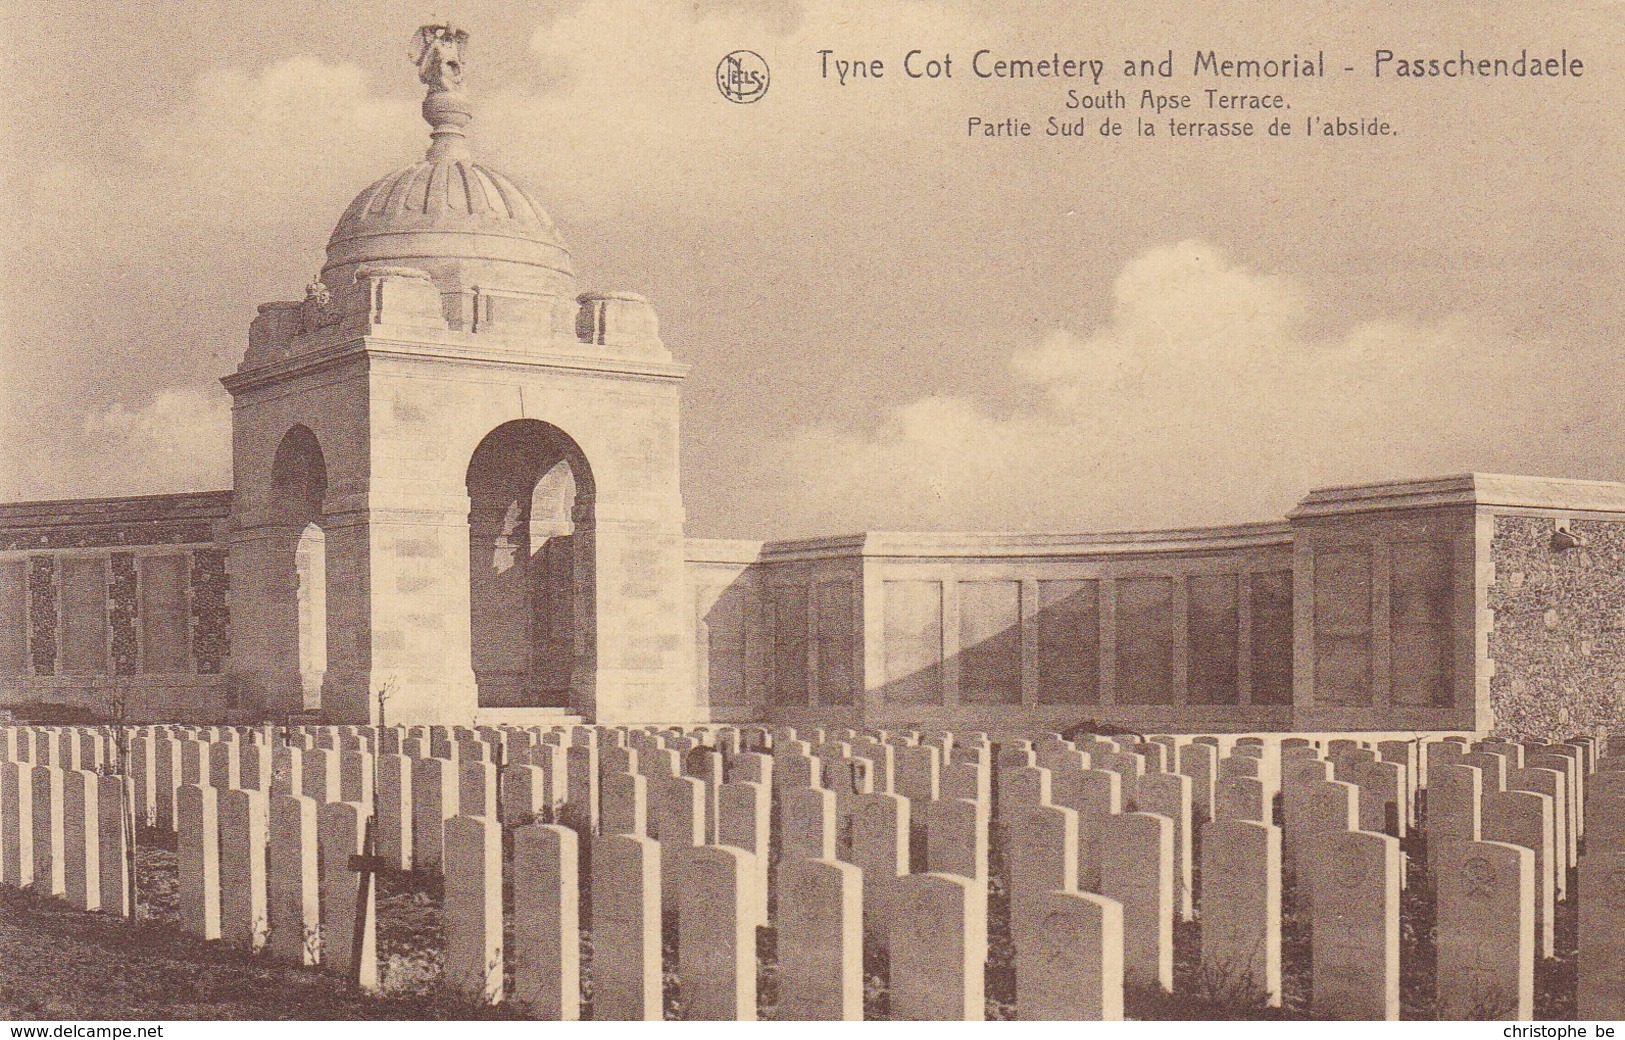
[463, 223]
[452, 216]
[447, 194]
[449, 208]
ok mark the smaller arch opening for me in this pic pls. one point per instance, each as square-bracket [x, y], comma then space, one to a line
[310, 567]
[299, 488]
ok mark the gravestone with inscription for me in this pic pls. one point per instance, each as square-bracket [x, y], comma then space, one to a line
[1485, 931]
[1354, 972]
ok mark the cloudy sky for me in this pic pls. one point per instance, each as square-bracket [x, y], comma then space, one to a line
[891, 324]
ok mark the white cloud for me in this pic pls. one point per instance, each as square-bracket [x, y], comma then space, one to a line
[180, 440]
[1204, 398]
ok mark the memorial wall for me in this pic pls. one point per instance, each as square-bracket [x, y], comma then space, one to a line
[1461, 604]
[110, 602]
[1432, 605]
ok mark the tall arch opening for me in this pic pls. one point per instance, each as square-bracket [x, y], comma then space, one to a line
[299, 487]
[531, 568]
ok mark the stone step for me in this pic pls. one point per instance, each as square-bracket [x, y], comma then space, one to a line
[544, 717]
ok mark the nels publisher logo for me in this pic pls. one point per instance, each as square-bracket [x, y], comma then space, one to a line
[742, 77]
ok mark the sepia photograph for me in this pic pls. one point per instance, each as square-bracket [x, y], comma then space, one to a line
[812, 511]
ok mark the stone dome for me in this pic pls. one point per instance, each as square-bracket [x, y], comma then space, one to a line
[461, 221]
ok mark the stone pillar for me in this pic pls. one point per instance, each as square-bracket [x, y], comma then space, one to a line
[1355, 920]
[473, 908]
[1485, 931]
[198, 860]
[1069, 967]
[265, 611]
[626, 929]
[347, 949]
[716, 939]
[820, 941]
[244, 833]
[293, 885]
[546, 921]
[1241, 907]
[938, 950]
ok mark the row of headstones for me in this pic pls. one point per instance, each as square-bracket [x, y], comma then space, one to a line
[1376, 795]
[1602, 883]
[439, 788]
[1050, 753]
[309, 912]
[64, 833]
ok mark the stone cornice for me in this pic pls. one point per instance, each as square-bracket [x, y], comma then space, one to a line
[942, 545]
[444, 351]
[1465, 490]
[86, 512]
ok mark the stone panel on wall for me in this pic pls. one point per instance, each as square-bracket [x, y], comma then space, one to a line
[990, 642]
[121, 609]
[759, 619]
[84, 615]
[1213, 624]
[1068, 642]
[913, 632]
[211, 617]
[837, 678]
[1343, 626]
[165, 626]
[1421, 623]
[1558, 640]
[13, 617]
[1270, 650]
[724, 646]
[1145, 641]
[42, 614]
[790, 645]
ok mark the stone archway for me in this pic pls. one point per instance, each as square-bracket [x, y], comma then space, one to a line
[531, 532]
[299, 487]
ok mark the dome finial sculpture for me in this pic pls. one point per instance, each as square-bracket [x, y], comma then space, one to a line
[438, 52]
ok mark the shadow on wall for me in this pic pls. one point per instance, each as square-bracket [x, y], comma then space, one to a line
[767, 646]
